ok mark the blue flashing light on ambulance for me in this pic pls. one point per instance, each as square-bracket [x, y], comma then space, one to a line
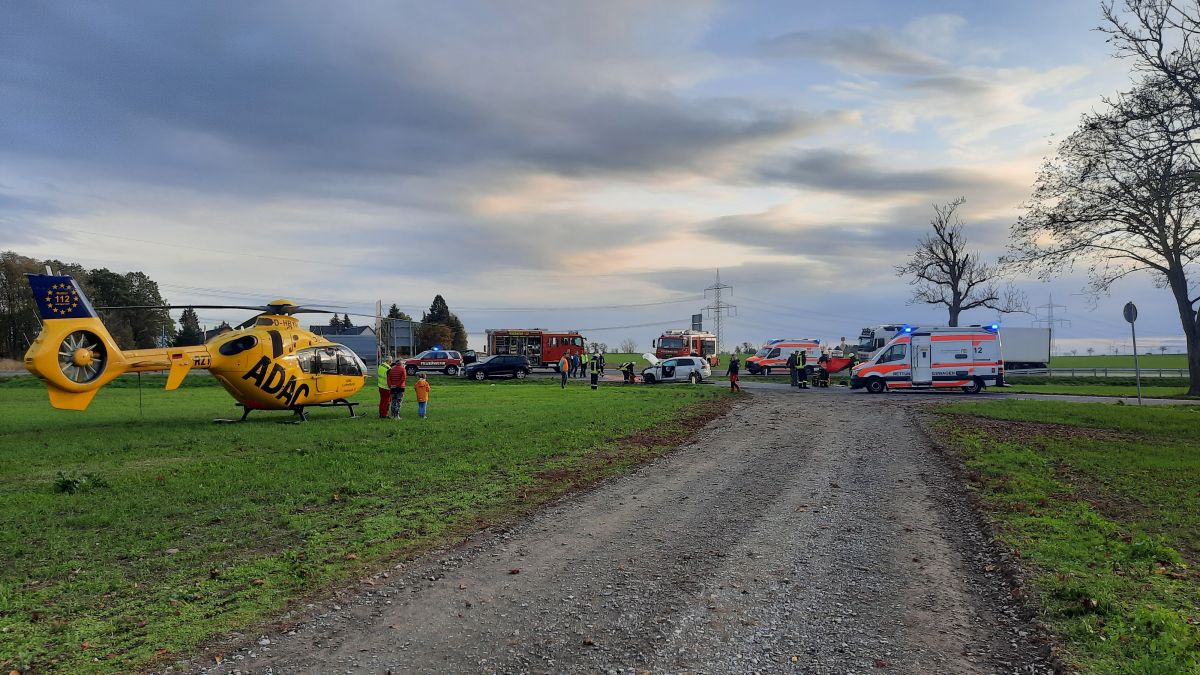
[937, 357]
[1023, 347]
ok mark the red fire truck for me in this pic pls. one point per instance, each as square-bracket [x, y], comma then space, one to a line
[685, 342]
[542, 347]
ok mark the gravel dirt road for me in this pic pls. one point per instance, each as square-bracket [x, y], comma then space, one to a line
[809, 532]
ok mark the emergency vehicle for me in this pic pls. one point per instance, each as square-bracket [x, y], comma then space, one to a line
[966, 357]
[684, 343]
[542, 347]
[437, 359]
[774, 355]
[1023, 347]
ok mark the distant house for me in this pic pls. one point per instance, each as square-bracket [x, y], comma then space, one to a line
[330, 332]
[361, 339]
[398, 339]
[214, 332]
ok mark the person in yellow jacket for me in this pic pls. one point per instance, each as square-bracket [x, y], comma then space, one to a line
[385, 394]
[422, 388]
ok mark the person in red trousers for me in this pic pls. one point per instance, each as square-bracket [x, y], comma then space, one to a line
[385, 393]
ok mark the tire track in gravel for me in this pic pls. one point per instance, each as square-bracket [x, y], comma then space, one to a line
[803, 532]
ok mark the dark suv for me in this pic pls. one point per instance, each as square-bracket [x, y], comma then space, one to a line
[500, 364]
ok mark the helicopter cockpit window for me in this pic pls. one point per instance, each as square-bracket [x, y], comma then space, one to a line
[264, 322]
[305, 357]
[329, 360]
[347, 363]
[235, 347]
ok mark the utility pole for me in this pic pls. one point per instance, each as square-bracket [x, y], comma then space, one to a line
[1050, 322]
[718, 308]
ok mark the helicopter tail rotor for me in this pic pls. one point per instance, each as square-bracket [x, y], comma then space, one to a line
[82, 356]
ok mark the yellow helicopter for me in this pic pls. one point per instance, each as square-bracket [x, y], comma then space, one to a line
[267, 363]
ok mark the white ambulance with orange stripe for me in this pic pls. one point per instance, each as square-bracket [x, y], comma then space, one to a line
[774, 355]
[966, 357]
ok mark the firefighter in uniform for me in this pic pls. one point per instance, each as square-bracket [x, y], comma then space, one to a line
[595, 365]
[792, 360]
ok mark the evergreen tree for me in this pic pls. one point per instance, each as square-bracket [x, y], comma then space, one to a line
[458, 333]
[395, 313]
[335, 322]
[189, 329]
[438, 312]
[346, 323]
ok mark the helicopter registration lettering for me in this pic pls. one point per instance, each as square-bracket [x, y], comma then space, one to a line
[271, 379]
[201, 361]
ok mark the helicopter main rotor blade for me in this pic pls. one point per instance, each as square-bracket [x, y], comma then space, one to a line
[253, 309]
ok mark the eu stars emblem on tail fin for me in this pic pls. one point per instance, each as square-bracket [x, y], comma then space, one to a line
[59, 297]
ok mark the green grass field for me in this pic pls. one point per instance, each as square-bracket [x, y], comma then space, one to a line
[1119, 361]
[1101, 504]
[126, 537]
[1152, 387]
[1148, 391]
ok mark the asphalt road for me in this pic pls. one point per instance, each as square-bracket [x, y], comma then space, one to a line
[803, 532]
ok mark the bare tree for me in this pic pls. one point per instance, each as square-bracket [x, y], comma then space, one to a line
[1122, 196]
[1162, 39]
[1091, 351]
[946, 273]
[628, 346]
[1162, 349]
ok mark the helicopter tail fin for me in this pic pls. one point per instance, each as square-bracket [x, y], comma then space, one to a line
[74, 354]
[60, 297]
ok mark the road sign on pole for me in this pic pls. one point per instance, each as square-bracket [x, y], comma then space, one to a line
[697, 322]
[1130, 312]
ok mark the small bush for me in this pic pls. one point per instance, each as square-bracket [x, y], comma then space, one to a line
[71, 483]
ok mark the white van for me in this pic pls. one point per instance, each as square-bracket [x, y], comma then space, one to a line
[966, 357]
[774, 355]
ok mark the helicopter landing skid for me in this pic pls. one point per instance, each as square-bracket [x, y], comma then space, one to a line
[298, 413]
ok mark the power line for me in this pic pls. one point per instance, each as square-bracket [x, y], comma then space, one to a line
[718, 308]
[672, 322]
[1050, 322]
[219, 292]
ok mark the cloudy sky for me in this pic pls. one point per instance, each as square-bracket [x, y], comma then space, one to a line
[547, 163]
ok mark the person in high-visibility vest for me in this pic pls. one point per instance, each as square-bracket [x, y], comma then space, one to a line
[385, 394]
[583, 364]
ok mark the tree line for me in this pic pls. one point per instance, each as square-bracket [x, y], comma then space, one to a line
[147, 328]
[132, 329]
